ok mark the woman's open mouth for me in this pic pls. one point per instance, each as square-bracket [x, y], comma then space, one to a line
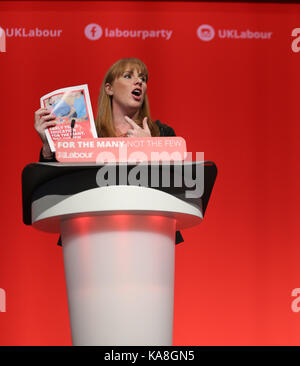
[137, 94]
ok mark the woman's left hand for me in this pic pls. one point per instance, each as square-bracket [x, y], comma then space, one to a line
[137, 131]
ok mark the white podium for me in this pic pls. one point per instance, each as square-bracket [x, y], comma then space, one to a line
[118, 248]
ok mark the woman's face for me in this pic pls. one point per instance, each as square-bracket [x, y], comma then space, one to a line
[129, 90]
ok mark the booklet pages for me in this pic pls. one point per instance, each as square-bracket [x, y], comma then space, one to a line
[74, 115]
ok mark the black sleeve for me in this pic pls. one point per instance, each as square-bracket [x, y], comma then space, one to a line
[166, 130]
[43, 160]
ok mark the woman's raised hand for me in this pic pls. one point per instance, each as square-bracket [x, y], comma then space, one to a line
[43, 119]
[137, 131]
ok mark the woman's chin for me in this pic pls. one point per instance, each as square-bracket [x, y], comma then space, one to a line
[135, 105]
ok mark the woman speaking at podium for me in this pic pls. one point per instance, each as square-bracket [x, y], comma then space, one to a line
[123, 109]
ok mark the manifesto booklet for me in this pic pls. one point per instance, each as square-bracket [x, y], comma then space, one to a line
[73, 111]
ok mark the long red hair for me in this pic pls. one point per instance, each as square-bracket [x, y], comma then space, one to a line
[104, 120]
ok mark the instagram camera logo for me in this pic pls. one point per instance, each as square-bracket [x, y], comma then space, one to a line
[93, 31]
[206, 32]
[2, 40]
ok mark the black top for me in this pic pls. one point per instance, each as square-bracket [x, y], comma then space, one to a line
[164, 130]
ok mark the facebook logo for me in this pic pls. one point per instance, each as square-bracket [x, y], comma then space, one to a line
[93, 31]
[2, 40]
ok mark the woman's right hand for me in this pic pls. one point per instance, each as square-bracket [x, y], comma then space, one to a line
[43, 119]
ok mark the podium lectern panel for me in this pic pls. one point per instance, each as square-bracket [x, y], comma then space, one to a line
[118, 248]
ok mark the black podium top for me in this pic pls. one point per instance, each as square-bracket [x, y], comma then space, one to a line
[41, 179]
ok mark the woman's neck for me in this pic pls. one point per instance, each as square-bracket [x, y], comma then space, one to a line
[120, 113]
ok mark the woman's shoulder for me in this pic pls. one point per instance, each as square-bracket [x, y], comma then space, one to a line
[164, 129]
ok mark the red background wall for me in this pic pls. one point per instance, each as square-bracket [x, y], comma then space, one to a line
[234, 99]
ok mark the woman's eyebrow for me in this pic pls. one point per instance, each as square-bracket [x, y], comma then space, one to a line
[132, 71]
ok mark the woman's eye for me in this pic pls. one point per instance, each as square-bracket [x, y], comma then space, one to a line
[129, 76]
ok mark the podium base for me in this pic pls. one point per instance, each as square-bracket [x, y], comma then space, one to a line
[120, 279]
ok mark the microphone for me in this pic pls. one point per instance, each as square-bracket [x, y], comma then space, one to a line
[73, 121]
